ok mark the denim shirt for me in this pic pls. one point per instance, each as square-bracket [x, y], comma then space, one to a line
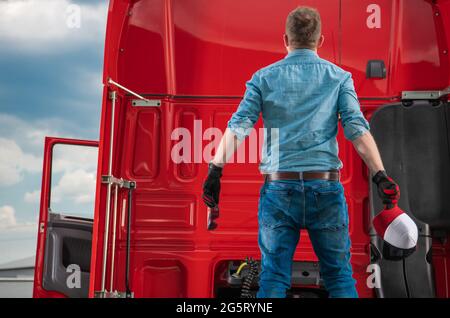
[301, 99]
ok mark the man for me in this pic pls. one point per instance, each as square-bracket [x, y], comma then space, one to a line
[303, 97]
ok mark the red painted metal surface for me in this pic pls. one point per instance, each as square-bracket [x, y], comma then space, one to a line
[50, 142]
[195, 56]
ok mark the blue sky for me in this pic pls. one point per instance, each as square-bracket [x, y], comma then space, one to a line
[50, 85]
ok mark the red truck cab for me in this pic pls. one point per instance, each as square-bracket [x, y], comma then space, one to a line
[173, 64]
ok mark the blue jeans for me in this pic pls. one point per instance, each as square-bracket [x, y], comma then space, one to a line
[319, 206]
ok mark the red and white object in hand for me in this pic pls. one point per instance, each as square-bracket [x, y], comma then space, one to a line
[396, 228]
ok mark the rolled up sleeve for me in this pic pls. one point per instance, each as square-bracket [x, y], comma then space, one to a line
[247, 114]
[352, 119]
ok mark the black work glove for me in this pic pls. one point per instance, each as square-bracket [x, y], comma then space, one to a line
[211, 187]
[388, 190]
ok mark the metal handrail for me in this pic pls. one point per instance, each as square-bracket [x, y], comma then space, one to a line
[110, 81]
[108, 195]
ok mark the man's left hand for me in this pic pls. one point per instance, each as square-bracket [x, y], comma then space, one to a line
[388, 190]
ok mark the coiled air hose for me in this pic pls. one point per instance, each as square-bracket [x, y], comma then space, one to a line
[253, 271]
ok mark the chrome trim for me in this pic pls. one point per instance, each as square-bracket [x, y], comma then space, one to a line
[425, 95]
[146, 103]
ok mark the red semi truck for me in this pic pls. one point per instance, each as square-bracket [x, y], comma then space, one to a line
[172, 64]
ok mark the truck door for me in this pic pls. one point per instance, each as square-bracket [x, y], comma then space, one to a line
[66, 218]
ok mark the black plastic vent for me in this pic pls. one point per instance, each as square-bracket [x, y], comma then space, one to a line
[376, 69]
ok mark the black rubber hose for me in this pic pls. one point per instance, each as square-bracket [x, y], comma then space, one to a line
[405, 277]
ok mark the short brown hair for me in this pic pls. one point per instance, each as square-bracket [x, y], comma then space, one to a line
[304, 27]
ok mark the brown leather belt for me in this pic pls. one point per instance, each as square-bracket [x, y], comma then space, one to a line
[332, 175]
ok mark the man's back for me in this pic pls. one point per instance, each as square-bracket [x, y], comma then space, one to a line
[301, 97]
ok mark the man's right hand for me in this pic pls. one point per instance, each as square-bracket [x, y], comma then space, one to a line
[388, 190]
[211, 187]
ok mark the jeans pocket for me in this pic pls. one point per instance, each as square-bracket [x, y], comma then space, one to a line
[279, 188]
[274, 205]
[327, 187]
[330, 207]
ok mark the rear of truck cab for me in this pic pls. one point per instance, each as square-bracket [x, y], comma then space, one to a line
[190, 61]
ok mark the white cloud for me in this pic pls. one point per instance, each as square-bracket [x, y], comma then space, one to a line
[21, 154]
[68, 158]
[29, 135]
[77, 186]
[74, 170]
[32, 197]
[14, 162]
[90, 83]
[7, 216]
[44, 25]
[9, 222]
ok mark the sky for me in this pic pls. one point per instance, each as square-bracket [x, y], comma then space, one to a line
[51, 59]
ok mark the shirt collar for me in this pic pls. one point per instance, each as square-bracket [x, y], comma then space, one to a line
[302, 52]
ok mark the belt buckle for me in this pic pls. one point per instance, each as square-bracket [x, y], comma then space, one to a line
[338, 175]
